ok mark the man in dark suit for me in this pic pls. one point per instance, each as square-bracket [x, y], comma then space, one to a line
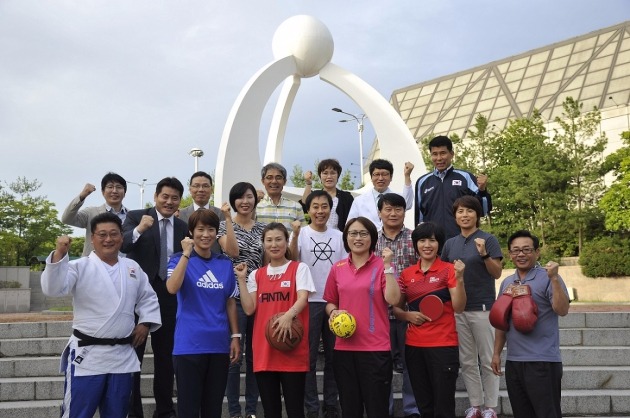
[150, 236]
[200, 189]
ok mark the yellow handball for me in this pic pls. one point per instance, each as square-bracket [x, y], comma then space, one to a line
[343, 325]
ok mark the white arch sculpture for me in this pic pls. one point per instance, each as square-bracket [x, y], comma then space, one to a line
[303, 47]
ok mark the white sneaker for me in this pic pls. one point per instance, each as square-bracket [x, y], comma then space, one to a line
[489, 413]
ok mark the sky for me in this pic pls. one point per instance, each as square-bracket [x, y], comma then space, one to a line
[92, 86]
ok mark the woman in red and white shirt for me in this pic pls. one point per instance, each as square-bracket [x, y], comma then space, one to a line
[280, 286]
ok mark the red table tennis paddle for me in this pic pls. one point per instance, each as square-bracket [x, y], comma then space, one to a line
[432, 307]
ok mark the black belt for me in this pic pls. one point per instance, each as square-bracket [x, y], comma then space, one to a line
[87, 340]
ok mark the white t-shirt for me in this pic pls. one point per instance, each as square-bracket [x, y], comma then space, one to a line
[319, 251]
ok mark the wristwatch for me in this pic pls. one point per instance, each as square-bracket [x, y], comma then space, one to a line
[389, 270]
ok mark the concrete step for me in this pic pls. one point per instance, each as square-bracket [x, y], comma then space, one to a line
[574, 378]
[575, 403]
[64, 328]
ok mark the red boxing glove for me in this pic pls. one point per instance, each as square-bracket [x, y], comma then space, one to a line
[524, 309]
[501, 309]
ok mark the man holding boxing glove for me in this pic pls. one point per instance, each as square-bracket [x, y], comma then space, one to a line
[533, 367]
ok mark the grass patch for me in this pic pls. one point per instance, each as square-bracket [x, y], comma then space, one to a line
[61, 309]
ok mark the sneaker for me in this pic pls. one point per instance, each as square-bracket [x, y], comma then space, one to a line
[473, 412]
[251, 416]
[237, 416]
[489, 413]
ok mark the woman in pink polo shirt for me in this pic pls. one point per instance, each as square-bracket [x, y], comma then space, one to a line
[363, 285]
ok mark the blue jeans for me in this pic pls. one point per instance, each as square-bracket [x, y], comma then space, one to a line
[408, 400]
[245, 326]
[318, 325]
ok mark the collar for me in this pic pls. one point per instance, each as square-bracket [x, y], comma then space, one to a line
[367, 263]
[434, 266]
[443, 174]
[123, 209]
[267, 199]
[530, 275]
[160, 217]
[196, 206]
[398, 234]
[376, 193]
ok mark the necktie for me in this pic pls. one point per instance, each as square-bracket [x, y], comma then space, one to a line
[163, 250]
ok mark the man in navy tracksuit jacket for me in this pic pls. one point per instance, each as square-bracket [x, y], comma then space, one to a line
[436, 191]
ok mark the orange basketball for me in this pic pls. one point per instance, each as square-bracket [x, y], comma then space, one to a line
[297, 332]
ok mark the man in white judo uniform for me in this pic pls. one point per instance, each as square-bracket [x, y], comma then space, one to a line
[99, 360]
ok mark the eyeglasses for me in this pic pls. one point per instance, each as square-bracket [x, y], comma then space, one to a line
[116, 187]
[383, 174]
[276, 178]
[104, 235]
[362, 234]
[200, 186]
[526, 251]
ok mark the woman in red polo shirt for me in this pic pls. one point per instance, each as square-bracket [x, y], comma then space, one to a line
[431, 347]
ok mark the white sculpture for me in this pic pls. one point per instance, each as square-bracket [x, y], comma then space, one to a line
[302, 47]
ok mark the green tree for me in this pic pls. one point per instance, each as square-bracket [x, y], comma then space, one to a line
[581, 144]
[473, 154]
[297, 178]
[29, 223]
[615, 202]
[528, 183]
[346, 183]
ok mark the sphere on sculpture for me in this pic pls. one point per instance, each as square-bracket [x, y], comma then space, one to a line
[308, 40]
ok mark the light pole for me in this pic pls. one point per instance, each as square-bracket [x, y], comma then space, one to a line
[142, 184]
[196, 152]
[359, 119]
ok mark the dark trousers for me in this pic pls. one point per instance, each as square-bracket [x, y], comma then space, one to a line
[162, 344]
[201, 381]
[534, 388]
[233, 390]
[364, 379]
[273, 385]
[433, 373]
[318, 326]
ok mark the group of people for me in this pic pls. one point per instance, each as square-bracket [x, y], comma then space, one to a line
[206, 281]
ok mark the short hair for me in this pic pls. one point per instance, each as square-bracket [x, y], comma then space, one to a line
[201, 174]
[104, 218]
[273, 166]
[171, 182]
[329, 163]
[469, 202]
[381, 164]
[523, 233]
[441, 141]
[428, 230]
[113, 178]
[273, 226]
[367, 224]
[394, 199]
[204, 217]
[318, 193]
[238, 190]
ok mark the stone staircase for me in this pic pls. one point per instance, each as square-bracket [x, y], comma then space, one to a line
[595, 352]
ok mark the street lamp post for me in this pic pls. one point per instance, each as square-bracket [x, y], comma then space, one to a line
[359, 119]
[142, 184]
[196, 153]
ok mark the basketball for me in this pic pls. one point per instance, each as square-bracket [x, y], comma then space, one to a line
[297, 332]
[343, 325]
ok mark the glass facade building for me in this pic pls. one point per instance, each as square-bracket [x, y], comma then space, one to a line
[592, 68]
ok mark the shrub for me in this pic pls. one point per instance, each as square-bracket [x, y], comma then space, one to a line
[606, 257]
[10, 284]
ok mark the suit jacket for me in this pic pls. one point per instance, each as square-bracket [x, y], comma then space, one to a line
[146, 250]
[81, 219]
[185, 213]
